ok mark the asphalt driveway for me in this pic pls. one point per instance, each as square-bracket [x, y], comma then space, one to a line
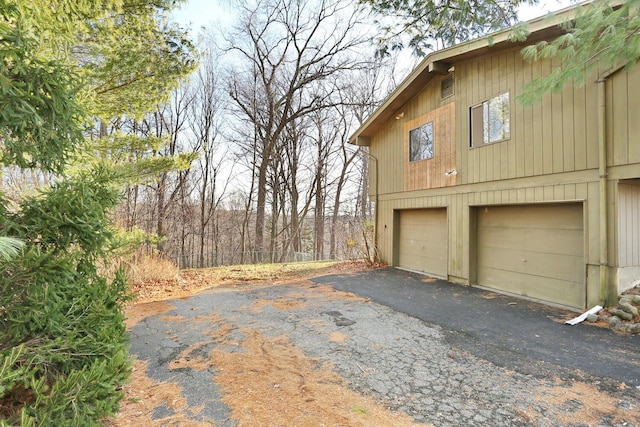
[435, 352]
[511, 332]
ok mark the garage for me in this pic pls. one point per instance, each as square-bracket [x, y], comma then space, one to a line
[533, 250]
[422, 242]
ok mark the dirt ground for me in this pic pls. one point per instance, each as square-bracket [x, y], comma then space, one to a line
[269, 384]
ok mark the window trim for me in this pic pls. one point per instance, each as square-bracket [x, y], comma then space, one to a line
[477, 114]
[432, 126]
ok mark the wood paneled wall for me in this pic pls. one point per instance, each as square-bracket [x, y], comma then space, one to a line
[556, 135]
[431, 173]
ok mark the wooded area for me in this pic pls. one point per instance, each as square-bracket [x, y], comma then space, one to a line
[262, 128]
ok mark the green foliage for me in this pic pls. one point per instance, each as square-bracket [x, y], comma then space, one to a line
[63, 64]
[10, 247]
[38, 113]
[601, 37]
[134, 60]
[425, 25]
[127, 243]
[72, 216]
[63, 335]
[134, 159]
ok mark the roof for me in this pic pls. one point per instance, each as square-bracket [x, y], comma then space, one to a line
[440, 62]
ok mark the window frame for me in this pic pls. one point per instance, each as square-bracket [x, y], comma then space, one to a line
[480, 134]
[430, 125]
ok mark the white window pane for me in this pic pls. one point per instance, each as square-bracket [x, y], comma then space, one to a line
[497, 118]
[485, 123]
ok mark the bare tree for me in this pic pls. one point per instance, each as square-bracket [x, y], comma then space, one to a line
[273, 170]
[368, 89]
[168, 122]
[286, 51]
[204, 116]
[324, 140]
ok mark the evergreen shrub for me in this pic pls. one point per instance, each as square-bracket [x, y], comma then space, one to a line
[63, 342]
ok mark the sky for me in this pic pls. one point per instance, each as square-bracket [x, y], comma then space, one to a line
[195, 14]
[530, 12]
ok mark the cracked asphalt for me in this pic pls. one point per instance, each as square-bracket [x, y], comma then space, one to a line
[444, 354]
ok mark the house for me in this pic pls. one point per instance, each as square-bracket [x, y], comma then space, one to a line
[470, 185]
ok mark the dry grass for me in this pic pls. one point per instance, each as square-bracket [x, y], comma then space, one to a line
[157, 279]
[273, 383]
[151, 268]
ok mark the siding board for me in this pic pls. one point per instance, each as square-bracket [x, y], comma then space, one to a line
[512, 81]
[610, 123]
[620, 119]
[591, 125]
[579, 128]
[505, 159]
[557, 119]
[633, 118]
[537, 147]
[629, 225]
[568, 137]
[547, 126]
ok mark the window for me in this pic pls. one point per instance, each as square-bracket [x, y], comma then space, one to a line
[490, 121]
[421, 143]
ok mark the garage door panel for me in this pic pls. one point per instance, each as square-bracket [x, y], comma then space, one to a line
[414, 253]
[421, 248]
[565, 267]
[528, 216]
[423, 241]
[424, 218]
[533, 250]
[420, 260]
[428, 232]
[533, 239]
[565, 293]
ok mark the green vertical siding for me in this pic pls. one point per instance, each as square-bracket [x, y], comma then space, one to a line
[551, 156]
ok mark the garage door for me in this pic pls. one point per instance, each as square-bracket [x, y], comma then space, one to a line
[422, 244]
[536, 251]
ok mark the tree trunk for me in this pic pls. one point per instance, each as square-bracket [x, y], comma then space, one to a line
[161, 207]
[261, 204]
[319, 211]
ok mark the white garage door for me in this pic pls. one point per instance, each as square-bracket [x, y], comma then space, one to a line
[422, 244]
[533, 250]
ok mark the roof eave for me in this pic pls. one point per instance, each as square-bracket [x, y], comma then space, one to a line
[544, 27]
